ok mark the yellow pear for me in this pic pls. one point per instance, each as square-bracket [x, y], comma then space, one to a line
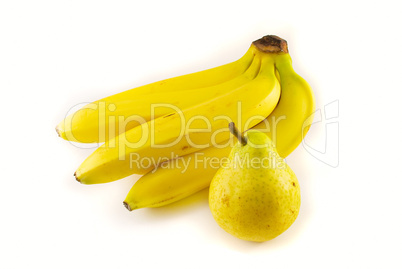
[255, 196]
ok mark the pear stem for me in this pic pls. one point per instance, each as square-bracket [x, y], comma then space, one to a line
[237, 134]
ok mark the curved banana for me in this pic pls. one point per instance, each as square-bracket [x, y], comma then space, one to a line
[177, 179]
[96, 121]
[170, 136]
[290, 121]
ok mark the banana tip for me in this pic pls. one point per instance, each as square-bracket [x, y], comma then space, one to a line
[76, 178]
[126, 205]
[58, 131]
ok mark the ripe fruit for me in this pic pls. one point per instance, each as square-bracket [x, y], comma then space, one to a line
[256, 197]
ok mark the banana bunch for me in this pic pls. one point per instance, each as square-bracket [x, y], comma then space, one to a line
[175, 132]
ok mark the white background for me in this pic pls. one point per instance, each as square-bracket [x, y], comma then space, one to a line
[57, 54]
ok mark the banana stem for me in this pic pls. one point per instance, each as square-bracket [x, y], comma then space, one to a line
[271, 44]
[237, 134]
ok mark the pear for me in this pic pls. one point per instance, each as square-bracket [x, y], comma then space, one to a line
[255, 196]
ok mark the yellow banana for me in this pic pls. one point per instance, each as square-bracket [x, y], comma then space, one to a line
[290, 121]
[96, 121]
[182, 177]
[176, 179]
[170, 136]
